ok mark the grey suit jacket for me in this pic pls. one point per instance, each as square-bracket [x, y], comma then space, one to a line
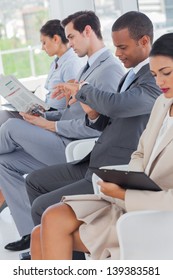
[124, 117]
[105, 73]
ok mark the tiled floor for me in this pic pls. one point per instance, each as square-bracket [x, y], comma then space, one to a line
[8, 233]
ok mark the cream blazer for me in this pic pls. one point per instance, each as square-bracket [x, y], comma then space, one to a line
[160, 169]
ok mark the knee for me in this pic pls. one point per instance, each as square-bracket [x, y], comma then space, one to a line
[54, 215]
[29, 182]
[8, 125]
[33, 183]
[35, 234]
[4, 116]
[37, 211]
[35, 241]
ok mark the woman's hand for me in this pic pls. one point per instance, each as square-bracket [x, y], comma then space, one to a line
[39, 121]
[112, 190]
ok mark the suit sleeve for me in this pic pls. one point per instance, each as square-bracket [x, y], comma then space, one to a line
[136, 101]
[147, 200]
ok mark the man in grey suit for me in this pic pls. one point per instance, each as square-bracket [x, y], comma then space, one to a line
[122, 116]
[36, 142]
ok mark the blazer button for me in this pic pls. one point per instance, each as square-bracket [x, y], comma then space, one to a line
[83, 98]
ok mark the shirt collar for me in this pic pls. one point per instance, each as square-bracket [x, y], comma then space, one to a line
[64, 57]
[94, 56]
[140, 65]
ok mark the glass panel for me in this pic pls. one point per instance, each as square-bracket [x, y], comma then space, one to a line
[107, 11]
[161, 14]
[19, 28]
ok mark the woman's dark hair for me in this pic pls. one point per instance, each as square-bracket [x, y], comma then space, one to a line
[83, 18]
[163, 46]
[137, 23]
[53, 27]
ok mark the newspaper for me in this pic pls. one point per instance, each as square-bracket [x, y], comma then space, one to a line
[22, 99]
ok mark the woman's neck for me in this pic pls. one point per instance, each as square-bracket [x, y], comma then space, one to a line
[62, 50]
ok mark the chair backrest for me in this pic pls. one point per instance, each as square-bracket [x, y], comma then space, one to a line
[78, 149]
[146, 235]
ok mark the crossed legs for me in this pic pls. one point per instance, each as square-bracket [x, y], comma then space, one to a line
[57, 236]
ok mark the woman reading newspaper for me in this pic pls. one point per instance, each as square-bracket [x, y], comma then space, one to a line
[87, 222]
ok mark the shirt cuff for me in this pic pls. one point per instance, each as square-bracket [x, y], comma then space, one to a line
[56, 127]
[82, 84]
[93, 121]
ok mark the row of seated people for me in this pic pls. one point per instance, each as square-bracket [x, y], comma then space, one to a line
[121, 115]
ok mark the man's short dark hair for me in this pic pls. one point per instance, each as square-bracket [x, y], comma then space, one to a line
[137, 23]
[83, 18]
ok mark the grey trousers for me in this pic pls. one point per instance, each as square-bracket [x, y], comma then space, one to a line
[23, 149]
[46, 187]
[5, 115]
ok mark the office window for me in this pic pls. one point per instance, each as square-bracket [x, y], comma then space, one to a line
[160, 12]
[108, 11]
[20, 52]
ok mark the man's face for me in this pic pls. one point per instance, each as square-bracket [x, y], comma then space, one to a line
[128, 50]
[78, 41]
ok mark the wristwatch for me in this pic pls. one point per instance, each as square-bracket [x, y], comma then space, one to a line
[82, 84]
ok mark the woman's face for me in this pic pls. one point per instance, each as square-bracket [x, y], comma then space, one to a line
[162, 69]
[50, 45]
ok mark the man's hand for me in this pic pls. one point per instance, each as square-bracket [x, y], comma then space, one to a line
[39, 121]
[67, 90]
[112, 190]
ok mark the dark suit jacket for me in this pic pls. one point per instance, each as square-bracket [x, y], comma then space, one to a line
[123, 118]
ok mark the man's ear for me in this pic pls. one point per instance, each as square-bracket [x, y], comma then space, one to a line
[88, 30]
[145, 40]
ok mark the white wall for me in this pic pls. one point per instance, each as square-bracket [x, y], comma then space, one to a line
[62, 8]
[128, 5]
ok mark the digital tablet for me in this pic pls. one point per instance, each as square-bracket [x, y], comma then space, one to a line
[127, 179]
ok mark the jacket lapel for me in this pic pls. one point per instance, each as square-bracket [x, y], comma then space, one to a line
[97, 63]
[138, 74]
[167, 138]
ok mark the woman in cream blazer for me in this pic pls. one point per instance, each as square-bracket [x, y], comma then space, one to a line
[87, 222]
[160, 168]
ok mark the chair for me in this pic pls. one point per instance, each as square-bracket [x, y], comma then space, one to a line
[146, 235]
[78, 149]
